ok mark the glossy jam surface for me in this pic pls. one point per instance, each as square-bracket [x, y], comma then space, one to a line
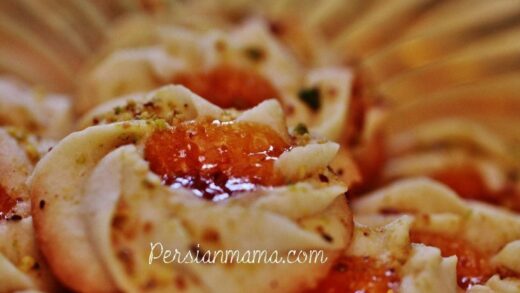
[6, 203]
[473, 266]
[229, 87]
[359, 274]
[216, 159]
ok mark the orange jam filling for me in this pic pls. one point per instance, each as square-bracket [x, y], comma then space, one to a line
[468, 183]
[473, 266]
[216, 159]
[229, 87]
[6, 203]
[359, 274]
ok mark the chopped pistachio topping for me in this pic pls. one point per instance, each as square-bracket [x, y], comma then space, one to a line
[311, 97]
[161, 124]
[254, 53]
[154, 109]
[300, 129]
[27, 141]
[117, 110]
[27, 263]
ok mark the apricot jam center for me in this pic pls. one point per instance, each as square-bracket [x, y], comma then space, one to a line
[6, 203]
[359, 274]
[468, 183]
[473, 266]
[216, 159]
[229, 87]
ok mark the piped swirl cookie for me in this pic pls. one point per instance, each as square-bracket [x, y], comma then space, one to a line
[382, 258]
[236, 68]
[31, 109]
[22, 267]
[485, 239]
[471, 157]
[190, 176]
